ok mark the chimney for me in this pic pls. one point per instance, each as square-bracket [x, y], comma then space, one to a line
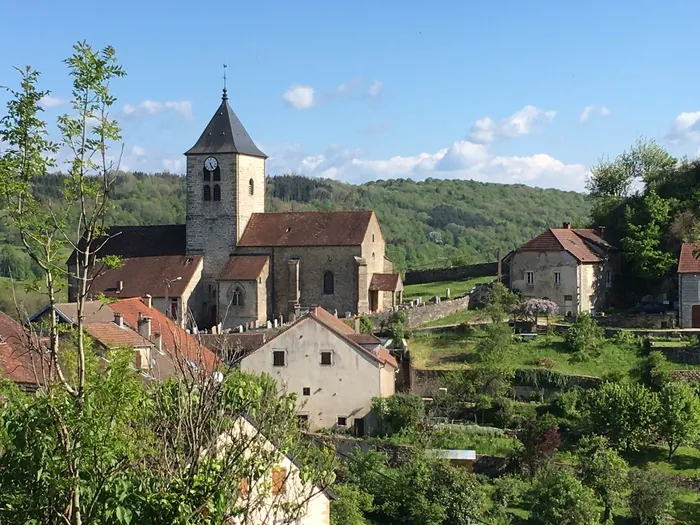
[566, 226]
[357, 325]
[601, 232]
[148, 300]
[119, 320]
[158, 340]
[145, 326]
[120, 286]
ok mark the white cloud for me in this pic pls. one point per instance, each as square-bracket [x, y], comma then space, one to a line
[299, 96]
[591, 110]
[138, 151]
[154, 107]
[47, 101]
[172, 165]
[375, 89]
[523, 122]
[686, 126]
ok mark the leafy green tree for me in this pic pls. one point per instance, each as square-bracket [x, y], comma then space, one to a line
[558, 498]
[602, 470]
[494, 371]
[585, 336]
[540, 441]
[399, 413]
[650, 498]
[626, 413]
[679, 415]
[502, 302]
[350, 506]
[366, 326]
[654, 370]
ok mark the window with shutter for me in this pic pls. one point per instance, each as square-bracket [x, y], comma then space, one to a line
[279, 358]
[279, 479]
[327, 358]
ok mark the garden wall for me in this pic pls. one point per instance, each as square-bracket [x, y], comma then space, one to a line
[456, 273]
[424, 313]
[688, 355]
[653, 321]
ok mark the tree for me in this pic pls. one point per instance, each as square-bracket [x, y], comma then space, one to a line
[350, 506]
[540, 440]
[558, 498]
[533, 308]
[679, 415]
[650, 498]
[501, 303]
[602, 470]
[399, 412]
[626, 413]
[493, 372]
[584, 337]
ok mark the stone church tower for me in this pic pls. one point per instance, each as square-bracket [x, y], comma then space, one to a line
[225, 186]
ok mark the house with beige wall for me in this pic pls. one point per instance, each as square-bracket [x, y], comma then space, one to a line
[572, 267]
[334, 371]
[689, 286]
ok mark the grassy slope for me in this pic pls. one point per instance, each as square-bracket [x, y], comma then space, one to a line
[430, 290]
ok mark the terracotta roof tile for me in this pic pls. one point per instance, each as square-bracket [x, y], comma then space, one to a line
[688, 262]
[386, 282]
[176, 342]
[313, 228]
[365, 339]
[242, 268]
[558, 239]
[93, 312]
[112, 336]
[146, 275]
[594, 237]
[15, 354]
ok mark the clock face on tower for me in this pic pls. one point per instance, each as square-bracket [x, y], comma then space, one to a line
[211, 163]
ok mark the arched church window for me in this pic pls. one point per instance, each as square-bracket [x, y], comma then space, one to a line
[207, 175]
[207, 192]
[217, 174]
[251, 187]
[217, 192]
[237, 298]
[328, 283]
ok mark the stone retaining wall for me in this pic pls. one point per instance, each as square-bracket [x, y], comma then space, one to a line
[424, 313]
[652, 321]
[688, 355]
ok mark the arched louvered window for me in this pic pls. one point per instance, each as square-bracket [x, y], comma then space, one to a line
[207, 192]
[217, 174]
[207, 175]
[251, 187]
[328, 283]
[217, 192]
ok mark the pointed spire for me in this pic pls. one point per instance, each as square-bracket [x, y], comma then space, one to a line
[224, 97]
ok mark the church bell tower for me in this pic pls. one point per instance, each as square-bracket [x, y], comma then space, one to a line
[225, 186]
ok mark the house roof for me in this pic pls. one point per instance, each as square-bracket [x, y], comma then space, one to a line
[594, 237]
[242, 268]
[176, 342]
[15, 354]
[688, 262]
[386, 282]
[225, 134]
[558, 239]
[94, 311]
[233, 347]
[146, 275]
[311, 228]
[110, 335]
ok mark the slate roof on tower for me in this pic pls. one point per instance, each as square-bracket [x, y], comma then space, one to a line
[225, 134]
[310, 228]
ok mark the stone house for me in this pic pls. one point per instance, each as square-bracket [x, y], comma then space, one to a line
[572, 267]
[300, 259]
[334, 371]
[689, 286]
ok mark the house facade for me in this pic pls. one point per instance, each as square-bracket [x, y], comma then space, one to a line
[574, 268]
[334, 371]
[689, 286]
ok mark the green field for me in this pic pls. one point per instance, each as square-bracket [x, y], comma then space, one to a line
[429, 290]
[449, 351]
[16, 293]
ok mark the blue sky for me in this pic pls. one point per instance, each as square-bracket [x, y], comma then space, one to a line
[490, 90]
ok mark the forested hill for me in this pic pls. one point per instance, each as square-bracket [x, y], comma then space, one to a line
[428, 223]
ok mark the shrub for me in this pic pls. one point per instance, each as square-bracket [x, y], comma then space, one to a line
[350, 506]
[650, 499]
[558, 498]
[584, 336]
[399, 412]
[625, 337]
[503, 412]
[507, 490]
[366, 326]
[546, 363]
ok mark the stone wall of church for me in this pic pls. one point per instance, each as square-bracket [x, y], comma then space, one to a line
[250, 169]
[255, 301]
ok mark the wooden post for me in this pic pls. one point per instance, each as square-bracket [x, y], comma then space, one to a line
[500, 265]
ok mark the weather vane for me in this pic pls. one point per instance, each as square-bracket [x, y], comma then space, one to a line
[225, 97]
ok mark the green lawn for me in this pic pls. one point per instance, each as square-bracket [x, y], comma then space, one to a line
[458, 318]
[452, 350]
[430, 290]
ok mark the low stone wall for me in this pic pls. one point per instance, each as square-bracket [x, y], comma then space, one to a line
[688, 355]
[456, 273]
[426, 312]
[652, 321]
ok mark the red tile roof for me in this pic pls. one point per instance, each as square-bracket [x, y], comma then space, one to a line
[386, 282]
[176, 342]
[146, 275]
[558, 239]
[112, 336]
[15, 354]
[688, 262]
[594, 237]
[242, 268]
[312, 228]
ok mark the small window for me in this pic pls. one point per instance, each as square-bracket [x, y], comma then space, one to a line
[372, 237]
[217, 174]
[569, 298]
[342, 421]
[217, 192]
[251, 187]
[173, 309]
[207, 192]
[557, 278]
[530, 278]
[328, 283]
[207, 175]
[237, 297]
[279, 480]
[306, 391]
[327, 358]
[279, 358]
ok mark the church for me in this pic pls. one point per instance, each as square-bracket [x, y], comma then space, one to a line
[232, 263]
